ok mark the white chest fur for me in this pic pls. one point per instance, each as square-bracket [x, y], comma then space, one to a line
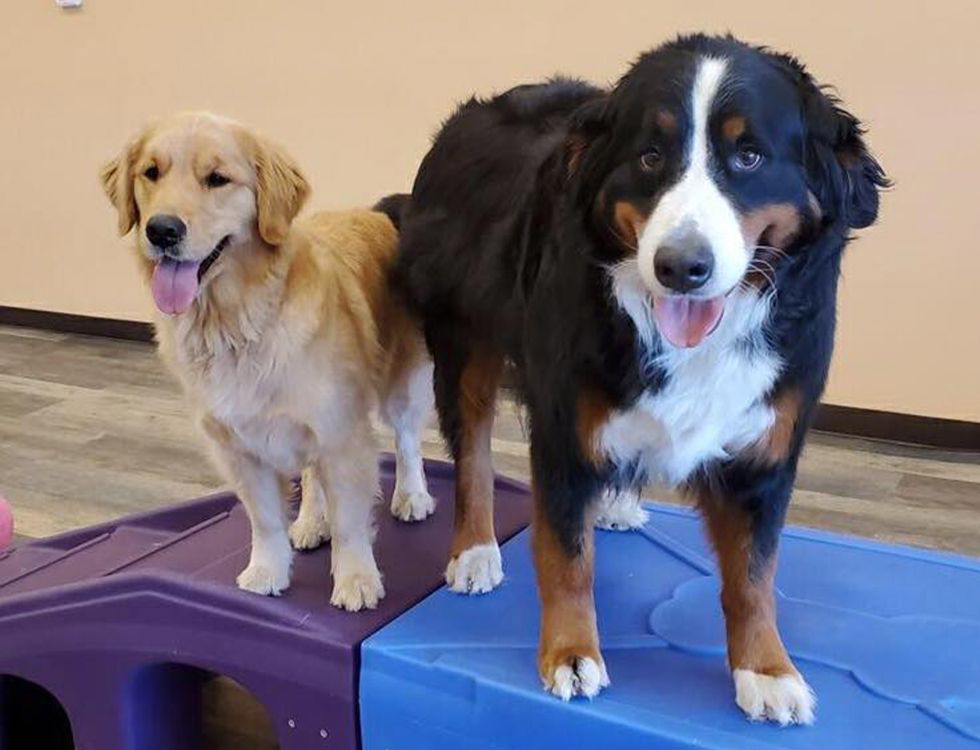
[712, 403]
[275, 392]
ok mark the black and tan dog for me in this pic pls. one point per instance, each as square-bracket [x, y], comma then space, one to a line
[660, 264]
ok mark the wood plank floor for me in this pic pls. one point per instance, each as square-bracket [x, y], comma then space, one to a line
[93, 428]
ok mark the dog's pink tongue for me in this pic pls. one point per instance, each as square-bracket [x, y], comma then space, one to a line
[686, 321]
[174, 285]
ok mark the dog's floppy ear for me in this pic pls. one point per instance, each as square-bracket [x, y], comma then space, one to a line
[584, 150]
[117, 181]
[586, 124]
[844, 175]
[281, 189]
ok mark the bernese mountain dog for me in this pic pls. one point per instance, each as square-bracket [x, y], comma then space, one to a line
[659, 263]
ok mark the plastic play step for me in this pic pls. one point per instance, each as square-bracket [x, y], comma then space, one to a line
[117, 621]
[888, 637]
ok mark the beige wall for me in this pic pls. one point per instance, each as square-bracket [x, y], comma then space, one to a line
[356, 89]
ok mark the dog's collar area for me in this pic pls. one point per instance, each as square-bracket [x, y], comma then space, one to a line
[212, 257]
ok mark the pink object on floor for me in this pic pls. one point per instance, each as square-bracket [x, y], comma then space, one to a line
[6, 523]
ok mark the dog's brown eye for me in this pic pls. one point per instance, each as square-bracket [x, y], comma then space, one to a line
[650, 160]
[747, 159]
[216, 180]
[152, 173]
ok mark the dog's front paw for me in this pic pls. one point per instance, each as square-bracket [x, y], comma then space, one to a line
[568, 673]
[477, 570]
[621, 511]
[785, 699]
[264, 579]
[268, 567]
[309, 532]
[357, 589]
[412, 506]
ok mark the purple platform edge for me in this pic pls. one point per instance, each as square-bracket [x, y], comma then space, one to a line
[98, 616]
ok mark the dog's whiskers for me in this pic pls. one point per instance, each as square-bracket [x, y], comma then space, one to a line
[772, 249]
[626, 244]
[764, 269]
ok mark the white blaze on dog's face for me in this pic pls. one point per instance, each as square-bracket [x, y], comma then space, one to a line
[693, 232]
[708, 168]
[194, 186]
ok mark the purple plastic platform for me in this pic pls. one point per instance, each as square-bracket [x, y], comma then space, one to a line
[100, 617]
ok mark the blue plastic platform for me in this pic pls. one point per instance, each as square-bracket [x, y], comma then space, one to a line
[888, 637]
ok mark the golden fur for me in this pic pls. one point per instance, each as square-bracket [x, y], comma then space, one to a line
[291, 341]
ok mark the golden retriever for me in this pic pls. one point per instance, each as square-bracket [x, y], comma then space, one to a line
[283, 336]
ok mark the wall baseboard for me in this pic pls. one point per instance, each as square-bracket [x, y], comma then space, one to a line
[131, 330]
[933, 432]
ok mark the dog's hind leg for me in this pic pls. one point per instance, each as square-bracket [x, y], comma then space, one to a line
[407, 406]
[621, 510]
[311, 527]
[349, 474]
[466, 389]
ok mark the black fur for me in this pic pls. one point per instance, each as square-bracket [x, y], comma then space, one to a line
[506, 238]
[393, 206]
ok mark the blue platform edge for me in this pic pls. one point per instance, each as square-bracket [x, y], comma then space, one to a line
[887, 636]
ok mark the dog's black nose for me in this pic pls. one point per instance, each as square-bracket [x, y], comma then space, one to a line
[684, 262]
[164, 231]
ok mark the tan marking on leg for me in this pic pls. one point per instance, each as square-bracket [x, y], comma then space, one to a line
[568, 620]
[592, 412]
[747, 596]
[774, 446]
[474, 467]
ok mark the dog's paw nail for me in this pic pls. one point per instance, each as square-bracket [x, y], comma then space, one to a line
[308, 534]
[476, 570]
[577, 676]
[785, 699]
[261, 579]
[621, 512]
[358, 591]
[412, 506]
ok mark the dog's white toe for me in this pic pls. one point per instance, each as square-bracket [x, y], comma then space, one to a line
[357, 586]
[621, 511]
[269, 566]
[476, 570]
[412, 506]
[585, 677]
[309, 532]
[786, 699]
[263, 579]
